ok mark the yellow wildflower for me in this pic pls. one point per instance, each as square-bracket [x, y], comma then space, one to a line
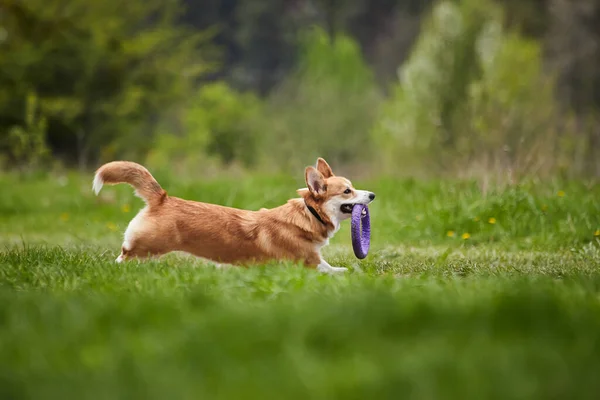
[476, 219]
[111, 226]
[544, 208]
[597, 233]
[64, 216]
[561, 193]
[492, 220]
[125, 208]
[450, 234]
[466, 236]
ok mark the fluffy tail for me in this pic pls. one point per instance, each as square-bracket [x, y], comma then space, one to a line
[146, 187]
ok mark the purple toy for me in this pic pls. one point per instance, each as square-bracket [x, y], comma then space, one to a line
[361, 230]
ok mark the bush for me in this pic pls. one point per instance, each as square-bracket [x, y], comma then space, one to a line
[472, 99]
[326, 107]
[219, 123]
[25, 145]
[510, 115]
[103, 72]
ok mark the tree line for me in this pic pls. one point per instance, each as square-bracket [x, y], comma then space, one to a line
[82, 80]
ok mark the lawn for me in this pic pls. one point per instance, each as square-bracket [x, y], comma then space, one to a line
[463, 296]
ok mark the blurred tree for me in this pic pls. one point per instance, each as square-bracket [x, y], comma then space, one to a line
[476, 97]
[260, 39]
[530, 17]
[386, 31]
[218, 16]
[326, 106]
[219, 124]
[267, 37]
[27, 143]
[573, 43]
[102, 70]
[569, 30]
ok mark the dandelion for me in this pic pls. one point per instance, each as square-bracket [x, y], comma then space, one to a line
[597, 233]
[476, 219]
[465, 236]
[111, 226]
[64, 216]
[492, 220]
[126, 208]
[450, 234]
[561, 193]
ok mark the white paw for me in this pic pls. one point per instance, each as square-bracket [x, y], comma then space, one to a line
[328, 269]
[338, 270]
[119, 259]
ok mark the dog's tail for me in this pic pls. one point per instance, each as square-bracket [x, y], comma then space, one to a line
[146, 187]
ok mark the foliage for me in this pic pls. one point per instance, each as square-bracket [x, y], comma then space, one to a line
[102, 70]
[472, 96]
[326, 107]
[265, 43]
[433, 82]
[260, 39]
[491, 88]
[512, 113]
[229, 118]
[217, 122]
[26, 145]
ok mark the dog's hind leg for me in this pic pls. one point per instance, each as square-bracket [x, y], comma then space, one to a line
[140, 240]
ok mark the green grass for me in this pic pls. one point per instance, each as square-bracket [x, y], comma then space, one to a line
[513, 312]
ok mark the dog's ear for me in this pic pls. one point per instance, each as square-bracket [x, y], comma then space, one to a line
[324, 168]
[314, 181]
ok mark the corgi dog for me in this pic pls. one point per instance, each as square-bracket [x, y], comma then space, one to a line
[295, 231]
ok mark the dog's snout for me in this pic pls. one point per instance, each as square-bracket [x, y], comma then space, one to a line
[371, 196]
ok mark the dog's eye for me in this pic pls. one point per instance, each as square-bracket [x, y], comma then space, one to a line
[347, 191]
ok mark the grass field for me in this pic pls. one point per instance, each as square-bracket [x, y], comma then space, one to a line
[463, 296]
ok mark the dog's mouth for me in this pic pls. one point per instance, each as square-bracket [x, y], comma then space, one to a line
[347, 208]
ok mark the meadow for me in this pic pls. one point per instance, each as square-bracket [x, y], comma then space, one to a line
[464, 295]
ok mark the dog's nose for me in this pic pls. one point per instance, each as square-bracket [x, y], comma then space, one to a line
[371, 195]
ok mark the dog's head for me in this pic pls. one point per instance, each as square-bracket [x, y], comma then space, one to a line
[332, 195]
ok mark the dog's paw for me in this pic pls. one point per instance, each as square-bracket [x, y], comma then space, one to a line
[338, 270]
[328, 269]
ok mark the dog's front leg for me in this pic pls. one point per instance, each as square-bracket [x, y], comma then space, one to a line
[328, 269]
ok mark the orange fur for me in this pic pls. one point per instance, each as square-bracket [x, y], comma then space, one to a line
[225, 234]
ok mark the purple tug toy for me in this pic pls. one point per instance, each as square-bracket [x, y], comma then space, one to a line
[361, 230]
